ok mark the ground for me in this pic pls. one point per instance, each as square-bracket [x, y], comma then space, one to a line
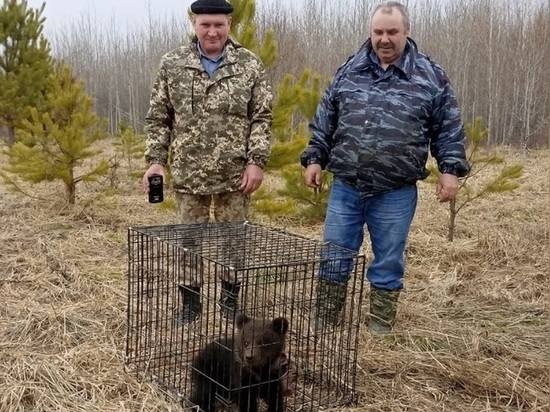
[472, 332]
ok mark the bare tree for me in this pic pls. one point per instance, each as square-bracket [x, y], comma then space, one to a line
[495, 52]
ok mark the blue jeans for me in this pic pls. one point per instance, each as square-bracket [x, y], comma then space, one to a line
[388, 219]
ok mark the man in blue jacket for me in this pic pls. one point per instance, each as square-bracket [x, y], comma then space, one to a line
[386, 108]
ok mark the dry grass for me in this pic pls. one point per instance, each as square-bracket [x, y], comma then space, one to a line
[472, 334]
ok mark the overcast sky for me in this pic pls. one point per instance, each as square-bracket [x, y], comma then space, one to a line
[58, 12]
[125, 12]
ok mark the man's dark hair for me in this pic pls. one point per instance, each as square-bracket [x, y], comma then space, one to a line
[387, 8]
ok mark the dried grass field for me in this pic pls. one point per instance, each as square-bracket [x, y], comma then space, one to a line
[472, 333]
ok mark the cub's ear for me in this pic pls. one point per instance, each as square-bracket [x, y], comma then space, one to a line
[242, 320]
[280, 325]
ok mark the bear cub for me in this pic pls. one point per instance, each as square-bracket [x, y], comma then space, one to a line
[246, 364]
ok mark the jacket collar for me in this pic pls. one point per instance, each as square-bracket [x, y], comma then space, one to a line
[228, 54]
[228, 60]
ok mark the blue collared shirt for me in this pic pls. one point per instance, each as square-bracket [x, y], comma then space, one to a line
[210, 65]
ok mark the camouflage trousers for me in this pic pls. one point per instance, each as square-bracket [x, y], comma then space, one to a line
[222, 207]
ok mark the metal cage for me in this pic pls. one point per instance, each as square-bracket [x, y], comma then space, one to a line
[278, 273]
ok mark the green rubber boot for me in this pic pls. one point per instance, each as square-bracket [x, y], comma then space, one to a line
[330, 301]
[229, 299]
[383, 308]
[192, 306]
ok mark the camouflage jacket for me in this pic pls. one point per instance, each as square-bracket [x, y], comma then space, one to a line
[373, 128]
[215, 126]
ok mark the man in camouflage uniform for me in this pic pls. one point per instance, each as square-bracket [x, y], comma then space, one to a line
[386, 108]
[211, 109]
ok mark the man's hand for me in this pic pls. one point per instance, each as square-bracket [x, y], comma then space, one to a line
[252, 179]
[447, 187]
[313, 175]
[154, 169]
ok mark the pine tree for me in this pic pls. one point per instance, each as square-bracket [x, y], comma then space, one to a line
[471, 187]
[129, 146]
[293, 108]
[60, 143]
[25, 63]
[244, 30]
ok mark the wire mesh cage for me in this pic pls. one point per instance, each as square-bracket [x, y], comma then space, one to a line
[272, 276]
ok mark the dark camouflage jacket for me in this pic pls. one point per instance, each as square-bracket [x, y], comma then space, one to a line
[214, 126]
[373, 128]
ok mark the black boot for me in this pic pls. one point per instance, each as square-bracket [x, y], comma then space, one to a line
[229, 299]
[192, 306]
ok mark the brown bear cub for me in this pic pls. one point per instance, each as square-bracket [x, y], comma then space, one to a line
[247, 365]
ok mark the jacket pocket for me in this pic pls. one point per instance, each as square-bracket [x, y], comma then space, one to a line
[235, 93]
